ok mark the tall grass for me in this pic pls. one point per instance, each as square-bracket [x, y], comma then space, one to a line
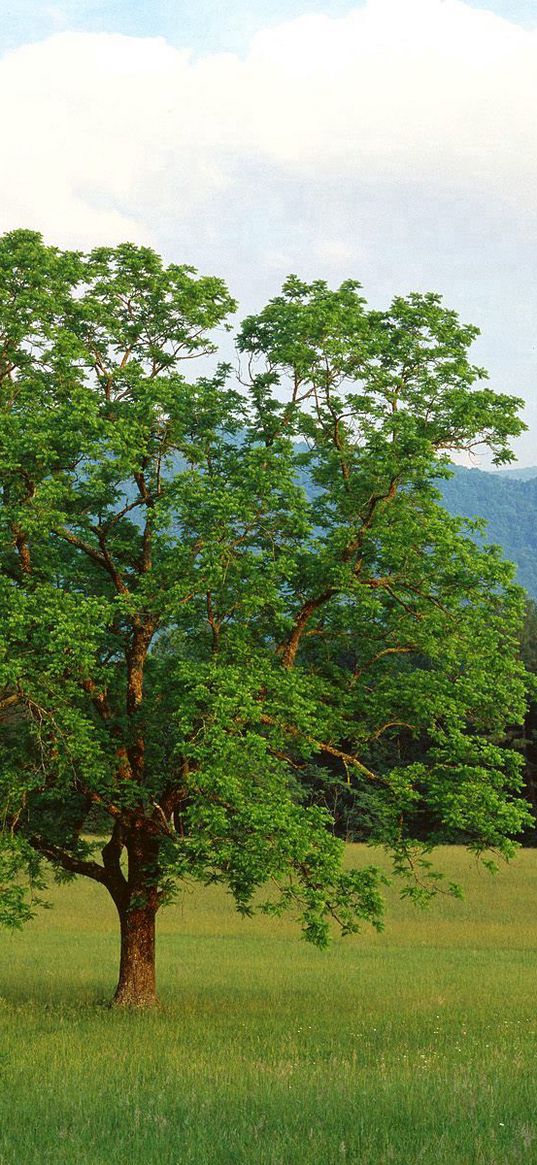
[418, 1045]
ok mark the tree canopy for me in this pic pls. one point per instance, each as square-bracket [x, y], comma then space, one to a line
[218, 590]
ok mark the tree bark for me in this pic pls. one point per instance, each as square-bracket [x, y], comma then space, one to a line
[137, 982]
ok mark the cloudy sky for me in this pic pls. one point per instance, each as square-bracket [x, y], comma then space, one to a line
[393, 141]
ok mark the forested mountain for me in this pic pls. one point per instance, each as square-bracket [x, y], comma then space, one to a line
[508, 502]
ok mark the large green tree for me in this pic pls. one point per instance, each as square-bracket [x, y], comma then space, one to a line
[188, 632]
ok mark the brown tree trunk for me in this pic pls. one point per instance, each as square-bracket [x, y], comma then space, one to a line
[137, 984]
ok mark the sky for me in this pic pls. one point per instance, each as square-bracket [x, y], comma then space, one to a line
[391, 141]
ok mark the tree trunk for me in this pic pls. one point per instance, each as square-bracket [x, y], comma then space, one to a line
[137, 985]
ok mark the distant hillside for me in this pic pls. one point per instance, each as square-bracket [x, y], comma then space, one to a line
[521, 474]
[508, 502]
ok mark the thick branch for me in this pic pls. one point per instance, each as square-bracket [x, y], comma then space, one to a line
[98, 699]
[111, 854]
[100, 557]
[10, 701]
[289, 649]
[214, 623]
[67, 861]
[23, 550]
[142, 635]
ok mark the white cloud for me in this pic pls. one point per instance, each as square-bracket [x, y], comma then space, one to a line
[396, 144]
[399, 89]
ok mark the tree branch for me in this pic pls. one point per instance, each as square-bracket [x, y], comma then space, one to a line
[60, 857]
[323, 746]
[100, 557]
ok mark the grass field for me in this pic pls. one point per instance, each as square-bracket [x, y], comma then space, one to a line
[415, 1046]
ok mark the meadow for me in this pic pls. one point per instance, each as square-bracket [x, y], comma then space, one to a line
[418, 1045]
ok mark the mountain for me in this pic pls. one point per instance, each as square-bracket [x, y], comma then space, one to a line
[508, 502]
[516, 473]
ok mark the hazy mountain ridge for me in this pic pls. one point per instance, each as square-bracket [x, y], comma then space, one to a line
[507, 500]
[516, 473]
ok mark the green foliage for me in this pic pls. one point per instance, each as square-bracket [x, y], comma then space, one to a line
[187, 635]
[20, 881]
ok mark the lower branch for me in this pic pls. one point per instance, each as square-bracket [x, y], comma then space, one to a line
[60, 857]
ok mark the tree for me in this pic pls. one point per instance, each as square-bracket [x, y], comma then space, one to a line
[187, 635]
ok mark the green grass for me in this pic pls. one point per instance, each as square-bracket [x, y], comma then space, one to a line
[415, 1046]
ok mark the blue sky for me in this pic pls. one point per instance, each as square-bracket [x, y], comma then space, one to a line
[394, 142]
[203, 25]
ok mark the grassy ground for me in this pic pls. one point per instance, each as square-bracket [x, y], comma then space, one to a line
[416, 1046]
